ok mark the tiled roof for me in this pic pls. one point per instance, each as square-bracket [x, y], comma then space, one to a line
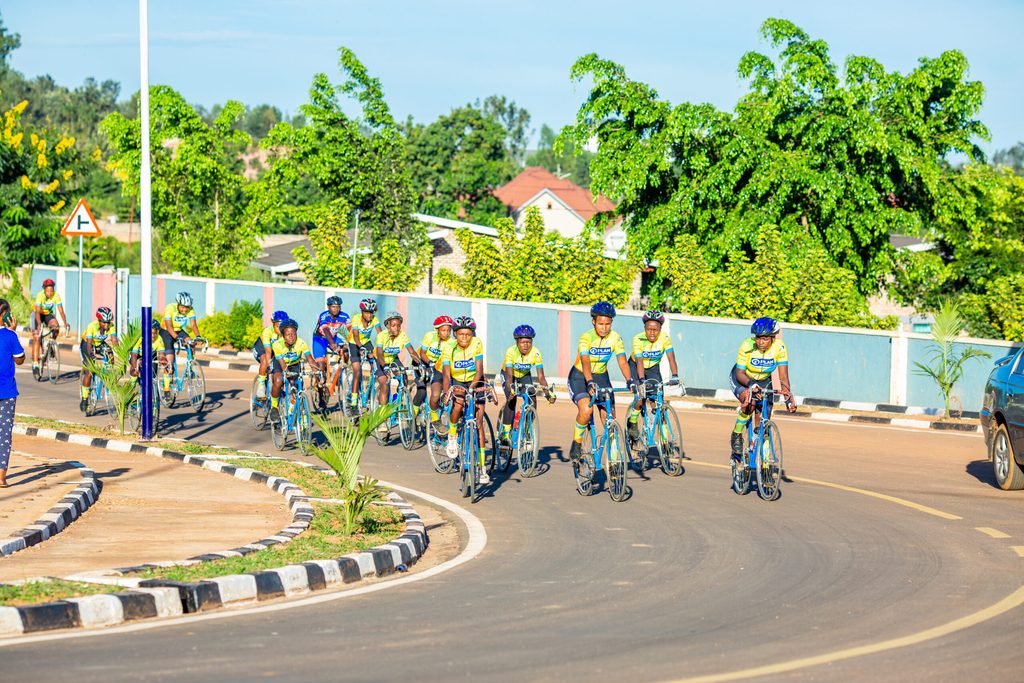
[533, 179]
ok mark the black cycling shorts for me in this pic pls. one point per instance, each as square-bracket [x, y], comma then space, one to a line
[578, 384]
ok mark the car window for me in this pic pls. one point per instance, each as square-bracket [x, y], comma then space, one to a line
[1018, 363]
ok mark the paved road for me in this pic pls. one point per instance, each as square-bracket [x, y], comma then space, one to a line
[683, 580]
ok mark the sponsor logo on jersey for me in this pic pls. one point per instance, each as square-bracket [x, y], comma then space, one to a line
[650, 354]
[522, 366]
[762, 362]
[464, 364]
[600, 350]
[391, 350]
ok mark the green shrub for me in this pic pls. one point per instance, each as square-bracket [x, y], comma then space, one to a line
[215, 328]
[253, 331]
[15, 294]
[242, 316]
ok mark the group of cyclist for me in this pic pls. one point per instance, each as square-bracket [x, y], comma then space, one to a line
[450, 358]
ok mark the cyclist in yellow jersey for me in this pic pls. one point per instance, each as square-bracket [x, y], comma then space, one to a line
[388, 349]
[520, 360]
[461, 366]
[649, 347]
[262, 352]
[759, 356]
[590, 371]
[432, 348]
[363, 329]
[289, 352]
[44, 309]
[158, 346]
[97, 337]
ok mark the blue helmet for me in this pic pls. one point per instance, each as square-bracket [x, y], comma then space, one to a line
[602, 308]
[765, 327]
[334, 301]
[524, 331]
[279, 317]
[289, 323]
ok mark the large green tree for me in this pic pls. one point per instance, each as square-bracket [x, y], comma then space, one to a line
[843, 157]
[565, 162]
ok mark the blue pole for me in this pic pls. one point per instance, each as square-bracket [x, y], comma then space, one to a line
[146, 374]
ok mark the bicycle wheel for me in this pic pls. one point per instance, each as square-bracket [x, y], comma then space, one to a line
[196, 385]
[468, 464]
[769, 464]
[381, 436]
[740, 471]
[407, 418]
[617, 466]
[670, 442]
[259, 408]
[134, 416]
[529, 442]
[303, 425]
[437, 443]
[491, 447]
[92, 399]
[583, 469]
[638, 447]
[279, 427]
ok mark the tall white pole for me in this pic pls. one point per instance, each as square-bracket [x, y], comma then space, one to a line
[79, 285]
[145, 199]
[355, 246]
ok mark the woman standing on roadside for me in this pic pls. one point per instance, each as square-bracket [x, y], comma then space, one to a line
[11, 354]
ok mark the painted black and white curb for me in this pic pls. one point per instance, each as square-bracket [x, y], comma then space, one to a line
[302, 511]
[158, 598]
[59, 517]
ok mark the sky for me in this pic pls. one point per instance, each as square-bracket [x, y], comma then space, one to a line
[433, 57]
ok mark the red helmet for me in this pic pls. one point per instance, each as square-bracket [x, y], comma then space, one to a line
[49, 283]
[442, 320]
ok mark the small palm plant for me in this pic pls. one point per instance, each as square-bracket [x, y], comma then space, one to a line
[122, 387]
[343, 453]
[947, 366]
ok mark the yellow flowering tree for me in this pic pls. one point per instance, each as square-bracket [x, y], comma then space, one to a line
[37, 181]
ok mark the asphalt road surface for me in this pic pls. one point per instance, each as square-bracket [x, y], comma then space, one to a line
[891, 556]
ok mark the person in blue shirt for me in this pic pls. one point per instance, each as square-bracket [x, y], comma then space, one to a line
[327, 333]
[11, 354]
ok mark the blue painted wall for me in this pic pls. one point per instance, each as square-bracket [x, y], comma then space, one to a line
[227, 293]
[706, 351]
[839, 365]
[171, 288]
[921, 390]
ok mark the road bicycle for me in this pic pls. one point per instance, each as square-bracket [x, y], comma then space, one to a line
[406, 417]
[135, 409]
[524, 438]
[331, 384]
[659, 430]
[259, 406]
[49, 360]
[190, 378]
[468, 439]
[437, 439]
[293, 413]
[367, 387]
[98, 390]
[611, 442]
[762, 452]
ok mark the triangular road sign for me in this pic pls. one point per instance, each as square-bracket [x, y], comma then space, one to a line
[81, 222]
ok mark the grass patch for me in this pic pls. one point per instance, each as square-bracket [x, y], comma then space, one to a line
[48, 590]
[312, 482]
[323, 540]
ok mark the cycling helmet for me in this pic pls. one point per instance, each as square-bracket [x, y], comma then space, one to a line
[464, 322]
[104, 314]
[392, 315]
[49, 283]
[442, 320]
[524, 331]
[368, 305]
[289, 323]
[155, 325]
[334, 301]
[656, 316]
[602, 308]
[279, 317]
[184, 299]
[765, 327]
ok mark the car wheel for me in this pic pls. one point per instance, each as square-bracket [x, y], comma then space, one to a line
[1008, 473]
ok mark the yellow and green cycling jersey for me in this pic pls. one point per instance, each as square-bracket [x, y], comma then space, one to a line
[463, 362]
[390, 346]
[290, 354]
[269, 335]
[47, 306]
[758, 364]
[360, 334]
[158, 345]
[97, 337]
[178, 320]
[599, 350]
[650, 352]
[435, 348]
[521, 365]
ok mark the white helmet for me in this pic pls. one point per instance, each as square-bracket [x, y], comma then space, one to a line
[184, 299]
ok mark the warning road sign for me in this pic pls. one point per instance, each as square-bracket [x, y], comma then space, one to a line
[81, 223]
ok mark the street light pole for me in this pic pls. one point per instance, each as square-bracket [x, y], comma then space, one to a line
[146, 374]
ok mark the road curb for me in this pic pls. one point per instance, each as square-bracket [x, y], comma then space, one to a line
[59, 517]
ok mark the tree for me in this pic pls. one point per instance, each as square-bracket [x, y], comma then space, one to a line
[9, 42]
[947, 366]
[260, 119]
[575, 164]
[457, 161]
[844, 159]
[359, 161]
[1012, 157]
[516, 122]
[538, 266]
[205, 224]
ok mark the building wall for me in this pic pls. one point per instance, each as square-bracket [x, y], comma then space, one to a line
[556, 216]
[825, 362]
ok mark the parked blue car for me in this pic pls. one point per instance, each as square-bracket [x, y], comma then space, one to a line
[1002, 420]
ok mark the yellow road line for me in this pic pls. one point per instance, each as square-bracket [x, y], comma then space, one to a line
[1019, 549]
[989, 531]
[1011, 601]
